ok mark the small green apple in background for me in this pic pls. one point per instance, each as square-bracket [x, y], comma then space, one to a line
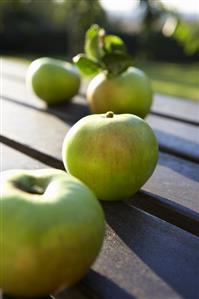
[52, 228]
[54, 81]
[117, 86]
[113, 154]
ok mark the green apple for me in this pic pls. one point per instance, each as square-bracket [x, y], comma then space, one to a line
[113, 154]
[117, 86]
[54, 81]
[52, 228]
[129, 92]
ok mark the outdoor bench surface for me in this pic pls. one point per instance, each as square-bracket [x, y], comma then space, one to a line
[151, 249]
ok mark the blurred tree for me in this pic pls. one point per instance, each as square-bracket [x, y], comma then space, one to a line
[24, 15]
[19, 18]
[31, 23]
[187, 35]
[153, 12]
[80, 15]
[158, 18]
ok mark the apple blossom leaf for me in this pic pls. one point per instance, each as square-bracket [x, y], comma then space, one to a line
[116, 63]
[86, 66]
[113, 43]
[93, 42]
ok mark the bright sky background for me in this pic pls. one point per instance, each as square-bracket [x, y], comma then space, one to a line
[183, 6]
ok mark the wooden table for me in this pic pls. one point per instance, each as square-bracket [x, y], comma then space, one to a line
[151, 249]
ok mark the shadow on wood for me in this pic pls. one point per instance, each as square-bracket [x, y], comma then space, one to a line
[92, 286]
[104, 287]
[167, 250]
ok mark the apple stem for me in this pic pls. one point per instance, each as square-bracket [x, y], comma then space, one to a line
[109, 114]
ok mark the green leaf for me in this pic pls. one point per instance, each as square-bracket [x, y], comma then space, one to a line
[93, 42]
[117, 63]
[113, 43]
[103, 52]
[86, 66]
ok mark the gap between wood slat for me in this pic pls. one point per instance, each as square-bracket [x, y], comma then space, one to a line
[48, 110]
[152, 112]
[158, 206]
[165, 210]
[178, 154]
[33, 153]
[164, 115]
[179, 119]
[61, 115]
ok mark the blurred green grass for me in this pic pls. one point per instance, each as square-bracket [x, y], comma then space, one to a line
[174, 79]
[181, 80]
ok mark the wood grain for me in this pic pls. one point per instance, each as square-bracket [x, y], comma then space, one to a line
[142, 257]
[13, 159]
[41, 134]
[176, 108]
[164, 105]
[174, 137]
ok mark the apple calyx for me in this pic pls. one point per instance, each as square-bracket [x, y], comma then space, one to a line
[32, 189]
[30, 185]
[109, 114]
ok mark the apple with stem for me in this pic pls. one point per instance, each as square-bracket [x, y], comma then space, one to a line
[117, 85]
[112, 154]
[52, 229]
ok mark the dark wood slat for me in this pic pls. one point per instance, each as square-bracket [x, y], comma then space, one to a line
[131, 230]
[169, 107]
[142, 257]
[176, 108]
[15, 68]
[174, 179]
[183, 147]
[164, 105]
[178, 154]
[167, 209]
[33, 153]
[13, 159]
[176, 118]
[174, 137]
[43, 133]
